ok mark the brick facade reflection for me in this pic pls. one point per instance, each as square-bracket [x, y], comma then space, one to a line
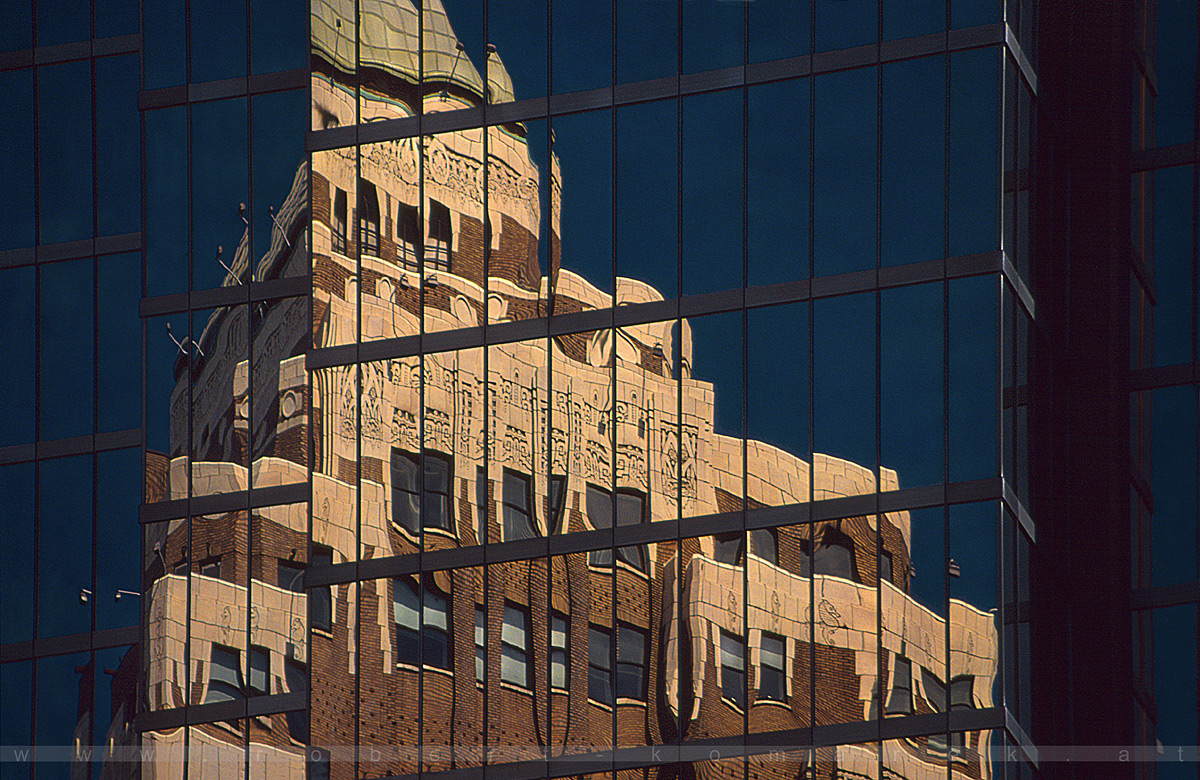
[702, 638]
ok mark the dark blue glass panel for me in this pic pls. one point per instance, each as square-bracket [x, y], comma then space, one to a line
[279, 120]
[1173, 265]
[277, 36]
[975, 548]
[1175, 65]
[63, 21]
[218, 39]
[67, 339]
[647, 39]
[18, 342]
[582, 50]
[778, 29]
[116, 700]
[777, 382]
[844, 378]
[712, 34]
[64, 546]
[648, 195]
[910, 19]
[17, 30]
[777, 182]
[712, 192]
[64, 683]
[583, 146]
[166, 386]
[16, 715]
[118, 538]
[717, 358]
[845, 152]
[118, 289]
[220, 163]
[1175, 686]
[842, 24]
[118, 146]
[16, 554]
[16, 141]
[116, 17]
[928, 551]
[975, 88]
[913, 126]
[974, 400]
[1173, 479]
[911, 411]
[166, 201]
[65, 151]
[518, 28]
[164, 47]
[969, 13]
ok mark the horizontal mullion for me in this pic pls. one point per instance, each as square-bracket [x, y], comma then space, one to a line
[42, 647]
[194, 714]
[232, 295]
[240, 86]
[68, 250]
[67, 52]
[657, 311]
[665, 531]
[675, 86]
[76, 445]
[219, 503]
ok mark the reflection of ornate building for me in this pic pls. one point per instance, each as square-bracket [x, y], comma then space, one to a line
[774, 628]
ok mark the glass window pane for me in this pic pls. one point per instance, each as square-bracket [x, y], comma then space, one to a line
[218, 44]
[167, 202]
[712, 186]
[65, 152]
[17, 134]
[18, 342]
[844, 160]
[67, 341]
[913, 126]
[220, 176]
[647, 198]
[582, 52]
[118, 144]
[65, 522]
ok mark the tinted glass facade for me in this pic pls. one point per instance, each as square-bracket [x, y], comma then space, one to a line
[547, 389]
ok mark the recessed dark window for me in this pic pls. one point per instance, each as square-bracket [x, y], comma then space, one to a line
[415, 635]
[437, 251]
[260, 671]
[631, 663]
[407, 506]
[518, 524]
[296, 676]
[291, 576]
[340, 221]
[560, 646]
[773, 669]
[480, 643]
[368, 218]
[835, 556]
[631, 510]
[408, 234]
[600, 515]
[900, 699]
[558, 501]
[320, 599]
[600, 664]
[224, 675]
[733, 668]
[514, 645]
[885, 566]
